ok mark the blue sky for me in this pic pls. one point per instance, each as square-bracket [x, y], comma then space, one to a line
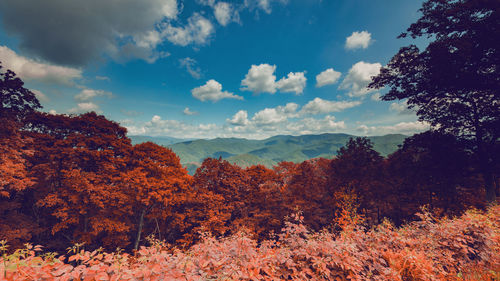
[207, 68]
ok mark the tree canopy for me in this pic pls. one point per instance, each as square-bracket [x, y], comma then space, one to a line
[454, 82]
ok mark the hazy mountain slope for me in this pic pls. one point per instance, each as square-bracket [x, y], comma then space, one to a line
[158, 140]
[270, 151]
[247, 160]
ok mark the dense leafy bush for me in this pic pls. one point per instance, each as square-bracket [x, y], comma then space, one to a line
[464, 248]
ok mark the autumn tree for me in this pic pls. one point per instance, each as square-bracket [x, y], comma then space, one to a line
[156, 183]
[264, 201]
[77, 166]
[357, 169]
[453, 83]
[216, 199]
[308, 192]
[16, 102]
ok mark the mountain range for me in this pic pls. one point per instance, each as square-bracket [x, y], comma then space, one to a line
[269, 152]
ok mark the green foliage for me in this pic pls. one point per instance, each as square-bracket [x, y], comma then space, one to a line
[273, 150]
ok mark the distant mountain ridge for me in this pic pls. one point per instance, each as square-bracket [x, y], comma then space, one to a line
[269, 152]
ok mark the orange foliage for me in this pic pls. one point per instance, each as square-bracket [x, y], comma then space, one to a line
[465, 248]
[77, 166]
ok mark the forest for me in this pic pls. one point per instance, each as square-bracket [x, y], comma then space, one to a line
[76, 185]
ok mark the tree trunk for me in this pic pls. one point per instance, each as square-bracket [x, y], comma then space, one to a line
[139, 230]
[489, 185]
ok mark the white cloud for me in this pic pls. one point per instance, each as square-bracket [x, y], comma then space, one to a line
[103, 78]
[225, 13]
[320, 106]
[275, 115]
[315, 126]
[212, 91]
[260, 79]
[327, 77]
[28, 69]
[159, 127]
[264, 123]
[264, 5]
[269, 116]
[40, 96]
[88, 94]
[187, 111]
[358, 77]
[376, 97]
[191, 67]
[53, 112]
[401, 108]
[358, 40]
[406, 128]
[239, 119]
[197, 31]
[85, 107]
[294, 83]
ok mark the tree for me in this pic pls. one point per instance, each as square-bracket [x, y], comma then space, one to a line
[77, 166]
[430, 169]
[308, 192]
[15, 100]
[454, 82]
[157, 183]
[358, 169]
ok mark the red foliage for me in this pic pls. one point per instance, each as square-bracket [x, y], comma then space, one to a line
[465, 248]
[77, 166]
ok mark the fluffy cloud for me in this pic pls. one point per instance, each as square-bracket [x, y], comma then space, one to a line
[269, 116]
[401, 108]
[29, 69]
[315, 126]
[39, 95]
[75, 32]
[261, 79]
[188, 111]
[225, 13]
[239, 119]
[294, 83]
[85, 107]
[327, 77]
[264, 123]
[275, 115]
[264, 5]
[407, 128]
[160, 127]
[376, 97]
[88, 94]
[358, 77]
[191, 67]
[358, 40]
[320, 106]
[212, 91]
[196, 31]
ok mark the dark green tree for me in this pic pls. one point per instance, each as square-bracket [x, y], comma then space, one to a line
[454, 82]
[358, 169]
[15, 100]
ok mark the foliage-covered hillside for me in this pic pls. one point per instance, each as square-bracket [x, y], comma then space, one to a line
[268, 152]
